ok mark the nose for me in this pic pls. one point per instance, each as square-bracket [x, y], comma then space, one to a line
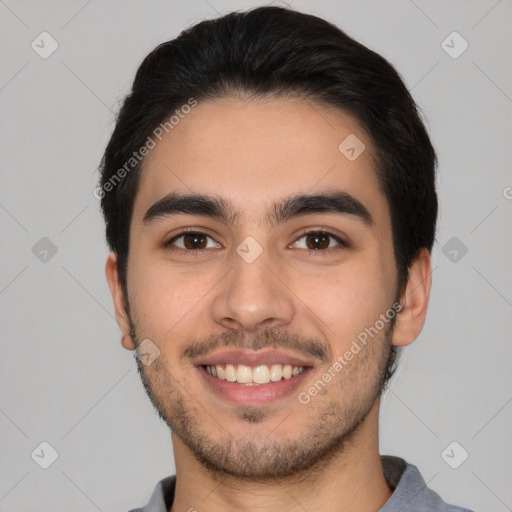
[253, 295]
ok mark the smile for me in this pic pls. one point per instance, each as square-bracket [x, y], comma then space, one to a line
[253, 375]
[249, 377]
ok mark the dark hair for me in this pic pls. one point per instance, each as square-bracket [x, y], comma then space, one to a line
[271, 52]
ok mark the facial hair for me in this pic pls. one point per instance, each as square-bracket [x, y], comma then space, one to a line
[330, 422]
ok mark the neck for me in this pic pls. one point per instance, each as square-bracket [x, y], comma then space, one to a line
[352, 480]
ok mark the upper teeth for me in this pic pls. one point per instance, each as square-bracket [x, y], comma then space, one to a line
[261, 374]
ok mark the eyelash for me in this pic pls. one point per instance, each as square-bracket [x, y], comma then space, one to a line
[312, 252]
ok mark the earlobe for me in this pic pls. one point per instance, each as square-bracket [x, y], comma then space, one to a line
[116, 290]
[414, 301]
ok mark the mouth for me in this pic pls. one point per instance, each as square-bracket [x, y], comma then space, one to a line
[253, 378]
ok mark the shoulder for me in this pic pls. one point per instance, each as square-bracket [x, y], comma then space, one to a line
[411, 493]
[162, 497]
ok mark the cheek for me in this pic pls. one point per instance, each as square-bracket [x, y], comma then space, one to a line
[348, 300]
[169, 305]
[160, 298]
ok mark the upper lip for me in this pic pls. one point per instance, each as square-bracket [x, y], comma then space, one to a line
[252, 358]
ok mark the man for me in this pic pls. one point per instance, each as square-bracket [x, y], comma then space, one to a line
[270, 203]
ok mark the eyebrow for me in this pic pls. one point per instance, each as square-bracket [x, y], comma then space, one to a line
[216, 207]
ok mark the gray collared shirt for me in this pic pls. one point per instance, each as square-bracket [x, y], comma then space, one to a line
[410, 494]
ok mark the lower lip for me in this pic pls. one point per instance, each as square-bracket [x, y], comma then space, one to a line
[253, 395]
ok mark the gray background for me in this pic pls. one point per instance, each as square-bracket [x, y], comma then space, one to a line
[66, 380]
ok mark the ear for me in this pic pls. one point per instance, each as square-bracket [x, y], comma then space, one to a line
[119, 303]
[414, 301]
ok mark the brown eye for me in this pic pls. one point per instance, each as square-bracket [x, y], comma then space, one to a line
[194, 241]
[191, 241]
[319, 241]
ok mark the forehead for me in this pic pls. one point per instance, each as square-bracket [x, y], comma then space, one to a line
[254, 153]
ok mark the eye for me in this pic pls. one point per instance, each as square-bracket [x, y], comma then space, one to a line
[319, 241]
[316, 241]
[191, 241]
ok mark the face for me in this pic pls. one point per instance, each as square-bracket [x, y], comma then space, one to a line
[255, 301]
